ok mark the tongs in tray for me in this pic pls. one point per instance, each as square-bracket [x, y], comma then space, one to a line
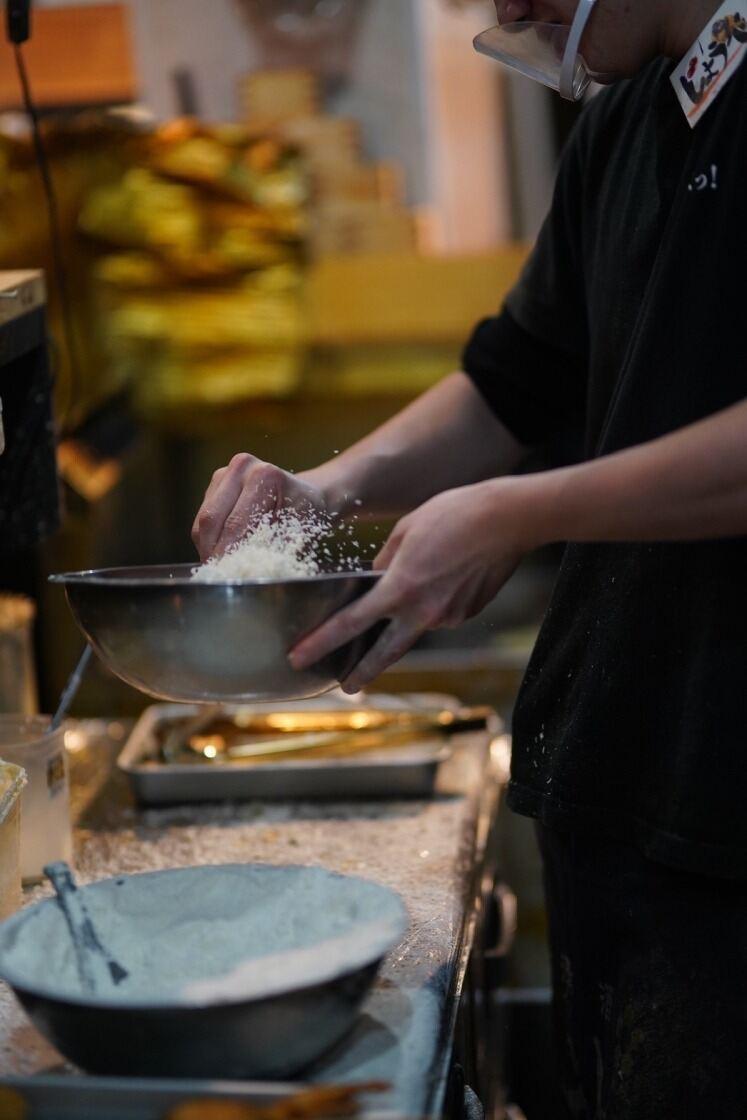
[312, 734]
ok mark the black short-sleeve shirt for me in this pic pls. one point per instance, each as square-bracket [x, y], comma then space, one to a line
[628, 322]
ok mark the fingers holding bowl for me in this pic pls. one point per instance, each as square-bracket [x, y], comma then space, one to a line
[384, 614]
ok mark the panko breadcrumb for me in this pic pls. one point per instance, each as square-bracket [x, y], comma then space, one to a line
[281, 545]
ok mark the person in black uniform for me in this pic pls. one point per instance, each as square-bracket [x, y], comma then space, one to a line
[627, 328]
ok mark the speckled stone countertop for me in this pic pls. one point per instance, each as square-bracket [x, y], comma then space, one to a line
[429, 851]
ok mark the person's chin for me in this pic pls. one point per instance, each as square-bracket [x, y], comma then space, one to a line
[512, 11]
[606, 71]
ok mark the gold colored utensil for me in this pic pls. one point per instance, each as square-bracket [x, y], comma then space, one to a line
[183, 733]
[401, 730]
[345, 720]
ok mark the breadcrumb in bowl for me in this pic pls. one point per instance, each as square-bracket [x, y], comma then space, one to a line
[282, 545]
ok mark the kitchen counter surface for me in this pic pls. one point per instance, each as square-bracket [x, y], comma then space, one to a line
[432, 852]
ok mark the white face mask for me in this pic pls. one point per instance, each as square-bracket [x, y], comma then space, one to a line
[546, 52]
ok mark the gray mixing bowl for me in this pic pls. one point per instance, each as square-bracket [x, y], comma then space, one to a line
[236, 971]
[205, 642]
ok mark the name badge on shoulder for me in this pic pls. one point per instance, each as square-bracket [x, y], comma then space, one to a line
[714, 58]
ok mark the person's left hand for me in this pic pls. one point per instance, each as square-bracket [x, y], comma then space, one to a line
[441, 565]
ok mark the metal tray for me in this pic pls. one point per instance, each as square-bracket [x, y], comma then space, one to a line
[83, 1097]
[393, 773]
[74, 1097]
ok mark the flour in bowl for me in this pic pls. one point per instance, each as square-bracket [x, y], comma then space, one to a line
[210, 934]
[282, 545]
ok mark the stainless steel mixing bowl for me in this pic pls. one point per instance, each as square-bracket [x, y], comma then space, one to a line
[203, 642]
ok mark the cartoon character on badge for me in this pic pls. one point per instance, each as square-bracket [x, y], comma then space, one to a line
[728, 28]
[725, 32]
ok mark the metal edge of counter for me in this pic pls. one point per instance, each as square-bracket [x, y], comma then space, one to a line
[475, 850]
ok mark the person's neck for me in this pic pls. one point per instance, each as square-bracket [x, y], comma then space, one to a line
[682, 23]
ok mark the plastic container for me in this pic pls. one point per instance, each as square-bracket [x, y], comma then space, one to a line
[46, 834]
[12, 781]
[18, 691]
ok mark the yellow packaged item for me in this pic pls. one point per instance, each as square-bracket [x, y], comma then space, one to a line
[12, 781]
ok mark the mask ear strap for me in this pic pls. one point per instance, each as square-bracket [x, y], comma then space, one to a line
[568, 69]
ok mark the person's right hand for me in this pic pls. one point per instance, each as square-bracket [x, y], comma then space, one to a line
[242, 491]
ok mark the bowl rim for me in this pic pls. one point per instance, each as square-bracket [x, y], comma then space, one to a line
[125, 577]
[328, 973]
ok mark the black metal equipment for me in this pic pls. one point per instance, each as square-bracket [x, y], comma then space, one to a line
[18, 20]
[29, 493]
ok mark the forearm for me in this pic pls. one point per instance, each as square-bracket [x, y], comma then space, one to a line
[447, 438]
[447, 560]
[690, 485]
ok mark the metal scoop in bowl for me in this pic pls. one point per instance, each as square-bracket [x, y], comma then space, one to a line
[98, 970]
[177, 639]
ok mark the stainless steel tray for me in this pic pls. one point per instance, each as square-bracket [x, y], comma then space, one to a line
[75, 1097]
[395, 772]
[80, 1097]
